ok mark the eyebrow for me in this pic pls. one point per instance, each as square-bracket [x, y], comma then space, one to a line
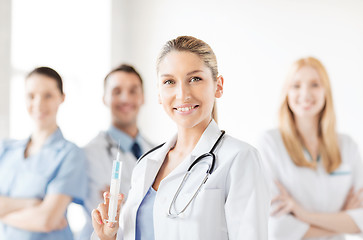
[190, 73]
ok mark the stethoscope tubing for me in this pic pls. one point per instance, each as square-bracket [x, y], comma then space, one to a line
[187, 174]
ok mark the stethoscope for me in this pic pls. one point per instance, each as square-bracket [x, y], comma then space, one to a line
[110, 145]
[187, 174]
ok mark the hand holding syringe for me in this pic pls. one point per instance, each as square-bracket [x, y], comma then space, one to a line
[110, 207]
[102, 227]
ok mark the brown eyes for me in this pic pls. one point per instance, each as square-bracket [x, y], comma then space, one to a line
[46, 96]
[313, 85]
[168, 82]
[195, 79]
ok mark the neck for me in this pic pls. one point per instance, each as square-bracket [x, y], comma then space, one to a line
[130, 129]
[40, 134]
[188, 137]
[308, 129]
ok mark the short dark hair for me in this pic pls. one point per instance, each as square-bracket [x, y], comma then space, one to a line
[51, 73]
[123, 68]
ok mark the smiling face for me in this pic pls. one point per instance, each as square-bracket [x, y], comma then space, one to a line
[43, 99]
[187, 89]
[124, 96]
[306, 93]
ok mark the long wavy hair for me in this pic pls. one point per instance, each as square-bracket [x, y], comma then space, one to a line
[328, 139]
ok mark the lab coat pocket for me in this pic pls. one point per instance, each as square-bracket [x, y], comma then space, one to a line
[204, 218]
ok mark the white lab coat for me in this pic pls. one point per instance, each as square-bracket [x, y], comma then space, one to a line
[99, 168]
[316, 190]
[233, 204]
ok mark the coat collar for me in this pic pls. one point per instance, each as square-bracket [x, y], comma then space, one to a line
[155, 159]
[204, 145]
[207, 140]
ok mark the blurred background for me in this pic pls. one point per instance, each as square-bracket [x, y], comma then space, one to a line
[255, 43]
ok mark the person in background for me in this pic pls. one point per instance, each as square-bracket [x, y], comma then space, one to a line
[40, 176]
[226, 187]
[124, 96]
[316, 174]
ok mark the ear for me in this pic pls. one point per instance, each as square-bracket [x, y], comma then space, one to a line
[219, 89]
[104, 100]
[63, 98]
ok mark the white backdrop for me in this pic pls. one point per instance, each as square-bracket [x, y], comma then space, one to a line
[255, 43]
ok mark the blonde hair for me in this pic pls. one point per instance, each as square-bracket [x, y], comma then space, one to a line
[198, 47]
[328, 140]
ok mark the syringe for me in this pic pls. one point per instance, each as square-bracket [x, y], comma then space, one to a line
[115, 187]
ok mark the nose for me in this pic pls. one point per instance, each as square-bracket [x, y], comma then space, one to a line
[125, 96]
[183, 92]
[305, 92]
[38, 102]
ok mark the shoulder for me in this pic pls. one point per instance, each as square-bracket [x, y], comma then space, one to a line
[237, 150]
[270, 136]
[345, 140]
[97, 145]
[235, 145]
[69, 151]
[9, 144]
[98, 140]
[347, 145]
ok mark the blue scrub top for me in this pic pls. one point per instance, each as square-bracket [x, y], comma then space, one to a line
[145, 217]
[58, 168]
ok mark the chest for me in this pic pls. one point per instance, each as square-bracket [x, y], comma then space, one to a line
[316, 189]
[179, 196]
[28, 177]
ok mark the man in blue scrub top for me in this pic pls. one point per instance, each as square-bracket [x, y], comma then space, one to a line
[124, 96]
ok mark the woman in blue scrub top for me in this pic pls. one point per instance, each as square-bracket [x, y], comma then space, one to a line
[40, 176]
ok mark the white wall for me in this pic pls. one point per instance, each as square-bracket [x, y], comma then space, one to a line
[255, 43]
[5, 42]
[73, 37]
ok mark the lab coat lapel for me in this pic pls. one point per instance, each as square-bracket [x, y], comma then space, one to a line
[204, 145]
[153, 163]
[207, 140]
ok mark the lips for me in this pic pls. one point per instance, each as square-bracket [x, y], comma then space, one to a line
[185, 108]
[126, 108]
[306, 105]
[39, 115]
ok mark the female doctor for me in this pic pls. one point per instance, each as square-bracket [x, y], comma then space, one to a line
[232, 204]
[318, 173]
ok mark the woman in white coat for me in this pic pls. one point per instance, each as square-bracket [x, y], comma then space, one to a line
[232, 204]
[316, 174]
